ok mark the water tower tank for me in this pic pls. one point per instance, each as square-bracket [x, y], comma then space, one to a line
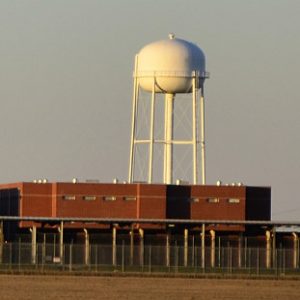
[172, 64]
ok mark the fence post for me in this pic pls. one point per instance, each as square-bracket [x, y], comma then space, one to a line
[274, 256]
[240, 251]
[283, 260]
[19, 254]
[61, 241]
[250, 261]
[150, 249]
[141, 233]
[245, 252]
[70, 256]
[231, 259]
[168, 249]
[10, 255]
[1, 241]
[114, 246]
[268, 249]
[193, 251]
[219, 252]
[257, 261]
[96, 257]
[295, 249]
[86, 247]
[212, 248]
[43, 251]
[186, 247]
[203, 247]
[33, 244]
[131, 233]
[123, 256]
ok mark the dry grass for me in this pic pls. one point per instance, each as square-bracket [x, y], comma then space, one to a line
[80, 287]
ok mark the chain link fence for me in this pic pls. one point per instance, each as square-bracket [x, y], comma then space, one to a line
[150, 259]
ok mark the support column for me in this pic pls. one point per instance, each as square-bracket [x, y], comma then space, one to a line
[195, 121]
[133, 122]
[152, 117]
[131, 233]
[114, 246]
[61, 241]
[141, 234]
[295, 250]
[268, 249]
[186, 247]
[86, 247]
[168, 249]
[212, 248]
[168, 151]
[202, 138]
[33, 244]
[203, 246]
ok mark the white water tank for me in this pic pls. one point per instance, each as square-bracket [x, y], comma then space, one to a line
[172, 63]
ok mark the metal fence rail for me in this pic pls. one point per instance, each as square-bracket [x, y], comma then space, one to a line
[124, 258]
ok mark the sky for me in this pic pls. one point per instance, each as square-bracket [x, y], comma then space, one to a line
[66, 88]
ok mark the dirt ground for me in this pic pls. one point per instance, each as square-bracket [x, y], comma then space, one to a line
[80, 287]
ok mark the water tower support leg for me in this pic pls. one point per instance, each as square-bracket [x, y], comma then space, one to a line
[168, 151]
[152, 115]
[195, 159]
[202, 113]
[133, 123]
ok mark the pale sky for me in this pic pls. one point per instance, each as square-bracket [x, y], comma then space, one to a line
[66, 88]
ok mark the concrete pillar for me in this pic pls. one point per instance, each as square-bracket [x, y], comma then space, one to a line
[295, 250]
[212, 248]
[203, 246]
[186, 247]
[61, 241]
[141, 234]
[131, 233]
[114, 246]
[1, 241]
[168, 249]
[268, 249]
[86, 247]
[33, 244]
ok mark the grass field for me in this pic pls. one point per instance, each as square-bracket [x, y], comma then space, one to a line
[80, 287]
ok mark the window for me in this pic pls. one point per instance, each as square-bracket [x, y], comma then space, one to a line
[129, 198]
[233, 200]
[89, 198]
[213, 200]
[109, 198]
[69, 197]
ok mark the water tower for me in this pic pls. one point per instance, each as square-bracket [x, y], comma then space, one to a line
[169, 67]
